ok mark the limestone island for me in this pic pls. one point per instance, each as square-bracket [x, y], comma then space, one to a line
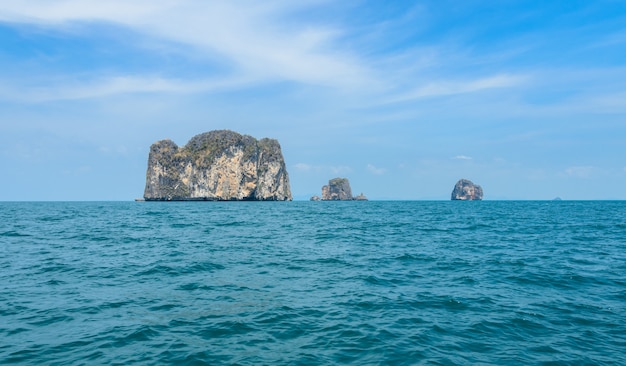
[338, 189]
[217, 166]
[466, 190]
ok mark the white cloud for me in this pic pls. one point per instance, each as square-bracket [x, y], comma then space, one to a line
[252, 39]
[246, 34]
[114, 150]
[107, 86]
[303, 167]
[610, 40]
[580, 171]
[78, 171]
[608, 103]
[462, 157]
[338, 169]
[342, 169]
[444, 88]
[374, 170]
[26, 152]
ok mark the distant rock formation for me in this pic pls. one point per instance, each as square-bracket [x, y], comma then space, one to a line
[217, 166]
[338, 189]
[360, 197]
[466, 190]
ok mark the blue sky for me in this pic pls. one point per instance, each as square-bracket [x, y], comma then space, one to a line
[526, 98]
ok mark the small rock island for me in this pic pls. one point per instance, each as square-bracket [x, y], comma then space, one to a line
[466, 190]
[338, 189]
[217, 166]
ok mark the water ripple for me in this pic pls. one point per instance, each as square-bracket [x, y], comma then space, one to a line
[313, 283]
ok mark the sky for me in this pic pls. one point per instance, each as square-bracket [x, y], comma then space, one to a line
[403, 98]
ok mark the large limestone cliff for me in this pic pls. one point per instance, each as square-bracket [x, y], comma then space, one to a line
[217, 166]
[466, 190]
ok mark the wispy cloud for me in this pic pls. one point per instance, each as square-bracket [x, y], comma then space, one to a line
[375, 170]
[303, 167]
[447, 87]
[580, 171]
[341, 169]
[333, 169]
[249, 36]
[610, 40]
[462, 157]
[69, 89]
[114, 150]
[253, 40]
[607, 103]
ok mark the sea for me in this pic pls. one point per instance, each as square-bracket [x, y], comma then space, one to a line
[313, 283]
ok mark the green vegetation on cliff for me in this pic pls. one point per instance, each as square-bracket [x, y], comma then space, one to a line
[217, 165]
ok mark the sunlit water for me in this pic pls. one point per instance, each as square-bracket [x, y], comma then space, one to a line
[254, 283]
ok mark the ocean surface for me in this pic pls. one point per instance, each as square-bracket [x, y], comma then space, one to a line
[313, 283]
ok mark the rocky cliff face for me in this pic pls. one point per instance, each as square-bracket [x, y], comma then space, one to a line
[466, 190]
[217, 166]
[338, 189]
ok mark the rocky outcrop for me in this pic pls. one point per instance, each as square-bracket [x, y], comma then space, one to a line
[217, 166]
[360, 197]
[338, 189]
[466, 190]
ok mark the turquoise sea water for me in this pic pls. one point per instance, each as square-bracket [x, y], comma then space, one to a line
[307, 283]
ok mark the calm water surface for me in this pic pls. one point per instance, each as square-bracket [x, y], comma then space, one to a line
[250, 283]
